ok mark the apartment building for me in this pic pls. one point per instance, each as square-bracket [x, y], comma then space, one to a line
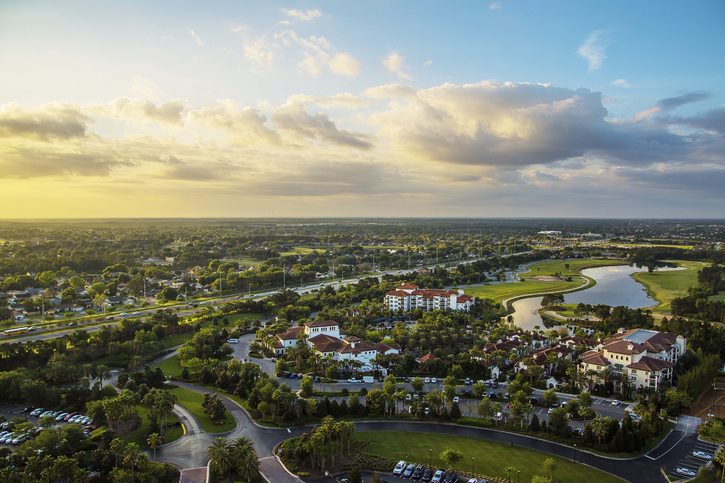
[408, 296]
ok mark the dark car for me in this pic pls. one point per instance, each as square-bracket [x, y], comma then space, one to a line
[427, 474]
[417, 472]
[450, 477]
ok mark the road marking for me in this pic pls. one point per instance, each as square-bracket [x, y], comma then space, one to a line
[183, 429]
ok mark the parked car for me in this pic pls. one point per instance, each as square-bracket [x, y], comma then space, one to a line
[61, 417]
[70, 415]
[438, 476]
[418, 472]
[499, 416]
[451, 477]
[399, 468]
[433, 380]
[37, 412]
[233, 341]
[354, 381]
[616, 402]
[409, 471]
[681, 470]
[472, 480]
[427, 380]
[550, 410]
[427, 475]
[7, 438]
[702, 455]
[456, 399]
[467, 382]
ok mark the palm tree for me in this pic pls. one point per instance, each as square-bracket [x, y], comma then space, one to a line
[154, 440]
[220, 460]
[720, 459]
[245, 459]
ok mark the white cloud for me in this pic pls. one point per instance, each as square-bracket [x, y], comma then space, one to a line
[196, 38]
[623, 83]
[427, 63]
[593, 50]
[259, 51]
[302, 15]
[395, 64]
[494, 6]
[344, 64]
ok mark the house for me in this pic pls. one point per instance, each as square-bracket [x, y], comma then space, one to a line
[429, 357]
[326, 338]
[551, 383]
[644, 357]
[116, 300]
[409, 297]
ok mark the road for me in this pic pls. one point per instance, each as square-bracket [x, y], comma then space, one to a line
[190, 450]
[186, 309]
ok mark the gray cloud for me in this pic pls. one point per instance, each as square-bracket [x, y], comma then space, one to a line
[31, 163]
[674, 102]
[713, 120]
[318, 126]
[168, 112]
[52, 122]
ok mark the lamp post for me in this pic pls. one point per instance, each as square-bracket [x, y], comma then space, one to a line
[473, 466]
[518, 478]
[430, 457]
[574, 452]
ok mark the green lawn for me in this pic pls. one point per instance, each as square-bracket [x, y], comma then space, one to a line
[566, 267]
[491, 458]
[170, 366]
[503, 291]
[192, 400]
[544, 268]
[666, 286]
[140, 434]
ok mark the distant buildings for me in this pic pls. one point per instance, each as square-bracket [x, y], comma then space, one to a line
[643, 358]
[409, 297]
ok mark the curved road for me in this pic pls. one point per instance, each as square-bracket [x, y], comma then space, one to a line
[190, 450]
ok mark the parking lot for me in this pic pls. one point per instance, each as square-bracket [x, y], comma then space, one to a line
[690, 462]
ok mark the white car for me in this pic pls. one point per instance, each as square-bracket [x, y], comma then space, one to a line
[685, 471]
[702, 455]
[456, 399]
[438, 476]
[616, 402]
[550, 410]
[399, 468]
[473, 480]
[499, 416]
[353, 381]
[433, 380]
[233, 341]
[427, 380]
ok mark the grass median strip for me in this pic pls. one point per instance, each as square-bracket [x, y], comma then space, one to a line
[492, 458]
[192, 400]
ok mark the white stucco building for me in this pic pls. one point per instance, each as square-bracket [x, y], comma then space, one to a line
[409, 297]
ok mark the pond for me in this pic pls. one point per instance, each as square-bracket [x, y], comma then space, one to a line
[615, 286]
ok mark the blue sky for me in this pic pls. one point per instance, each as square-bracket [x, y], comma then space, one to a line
[505, 108]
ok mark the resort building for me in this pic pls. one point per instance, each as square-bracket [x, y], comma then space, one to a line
[409, 297]
[644, 357]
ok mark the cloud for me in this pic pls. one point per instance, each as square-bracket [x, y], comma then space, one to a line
[344, 64]
[623, 83]
[671, 103]
[196, 38]
[260, 52]
[395, 64]
[199, 171]
[41, 162]
[512, 125]
[302, 15]
[593, 50]
[712, 120]
[244, 124]
[319, 54]
[295, 119]
[390, 91]
[167, 112]
[494, 6]
[427, 63]
[52, 121]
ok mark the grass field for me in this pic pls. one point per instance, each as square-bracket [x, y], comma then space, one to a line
[491, 458]
[545, 268]
[192, 401]
[170, 366]
[139, 435]
[666, 286]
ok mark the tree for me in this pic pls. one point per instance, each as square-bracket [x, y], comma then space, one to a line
[417, 384]
[549, 467]
[354, 476]
[479, 389]
[154, 440]
[160, 403]
[549, 398]
[214, 408]
[600, 426]
[720, 459]
[220, 458]
[306, 387]
[245, 459]
[450, 456]
[558, 421]
[485, 408]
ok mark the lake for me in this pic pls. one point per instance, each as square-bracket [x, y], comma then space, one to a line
[615, 286]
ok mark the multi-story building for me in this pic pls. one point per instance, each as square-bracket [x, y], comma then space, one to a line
[409, 297]
[644, 357]
[325, 337]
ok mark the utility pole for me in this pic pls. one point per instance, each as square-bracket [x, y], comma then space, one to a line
[284, 276]
[144, 288]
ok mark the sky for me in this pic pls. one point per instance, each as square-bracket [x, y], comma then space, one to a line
[374, 108]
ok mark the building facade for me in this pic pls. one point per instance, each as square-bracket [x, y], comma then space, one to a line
[409, 297]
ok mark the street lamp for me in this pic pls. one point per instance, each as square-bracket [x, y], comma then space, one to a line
[518, 478]
[574, 452]
[430, 457]
[473, 467]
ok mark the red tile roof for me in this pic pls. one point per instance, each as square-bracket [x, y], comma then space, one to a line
[322, 323]
[291, 333]
[595, 358]
[426, 358]
[650, 364]
[397, 293]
